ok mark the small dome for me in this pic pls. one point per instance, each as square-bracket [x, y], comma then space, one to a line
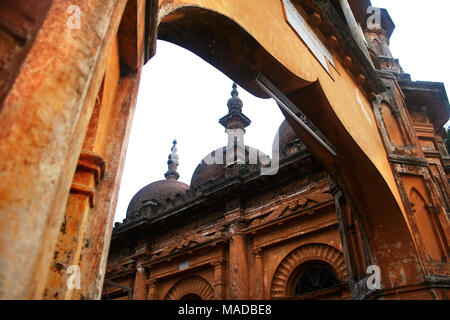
[210, 170]
[289, 141]
[157, 192]
[287, 134]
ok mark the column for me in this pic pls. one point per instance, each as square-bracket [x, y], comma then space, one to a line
[114, 133]
[238, 264]
[259, 274]
[356, 257]
[219, 279]
[152, 289]
[70, 238]
[140, 283]
[39, 156]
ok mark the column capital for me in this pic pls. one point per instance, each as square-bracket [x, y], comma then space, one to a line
[236, 226]
[152, 282]
[218, 262]
[92, 163]
[257, 251]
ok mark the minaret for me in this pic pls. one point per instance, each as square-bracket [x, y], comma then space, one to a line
[235, 119]
[172, 163]
[235, 123]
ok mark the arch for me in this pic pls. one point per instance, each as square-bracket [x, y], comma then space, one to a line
[363, 167]
[312, 276]
[391, 125]
[307, 253]
[425, 225]
[191, 296]
[190, 287]
[227, 46]
[224, 37]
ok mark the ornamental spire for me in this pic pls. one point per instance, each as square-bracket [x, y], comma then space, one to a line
[172, 163]
[235, 119]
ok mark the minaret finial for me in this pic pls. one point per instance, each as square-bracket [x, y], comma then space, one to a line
[235, 119]
[234, 92]
[172, 163]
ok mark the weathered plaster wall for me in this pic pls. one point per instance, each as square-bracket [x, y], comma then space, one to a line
[265, 21]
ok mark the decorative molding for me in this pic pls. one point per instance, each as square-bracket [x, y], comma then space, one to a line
[120, 268]
[191, 285]
[193, 240]
[84, 189]
[93, 163]
[408, 160]
[300, 255]
[305, 201]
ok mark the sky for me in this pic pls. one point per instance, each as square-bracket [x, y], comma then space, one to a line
[182, 97]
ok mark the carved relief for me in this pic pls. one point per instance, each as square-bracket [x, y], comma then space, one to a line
[194, 285]
[121, 268]
[308, 200]
[309, 252]
[186, 242]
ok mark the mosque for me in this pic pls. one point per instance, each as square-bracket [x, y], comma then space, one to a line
[233, 233]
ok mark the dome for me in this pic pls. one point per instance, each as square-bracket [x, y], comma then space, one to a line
[159, 191]
[214, 165]
[208, 170]
[287, 134]
[289, 141]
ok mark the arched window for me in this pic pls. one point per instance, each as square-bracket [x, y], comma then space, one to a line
[191, 296]
[313, 276]
[191, 288]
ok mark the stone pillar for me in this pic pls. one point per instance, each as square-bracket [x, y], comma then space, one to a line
[152, 289]
[355, 250]
[115, 134]
[354, 28]
[259, 274]
[70, 239]
[140, 283]
[219, 279]
[238, 264]
[43, 122]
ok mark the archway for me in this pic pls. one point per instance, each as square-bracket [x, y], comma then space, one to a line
[287, 272]
[191, 288]
[361, 168]
[44, 125]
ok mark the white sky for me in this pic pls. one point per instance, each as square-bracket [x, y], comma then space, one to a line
[181, 96]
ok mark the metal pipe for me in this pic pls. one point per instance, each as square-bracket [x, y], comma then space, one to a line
[354, 28]
[290, 108]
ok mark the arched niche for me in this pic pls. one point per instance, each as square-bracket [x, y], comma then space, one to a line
[290, 267]
[391, 124]
[425, 225]
[312, 276]
[191, 288]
